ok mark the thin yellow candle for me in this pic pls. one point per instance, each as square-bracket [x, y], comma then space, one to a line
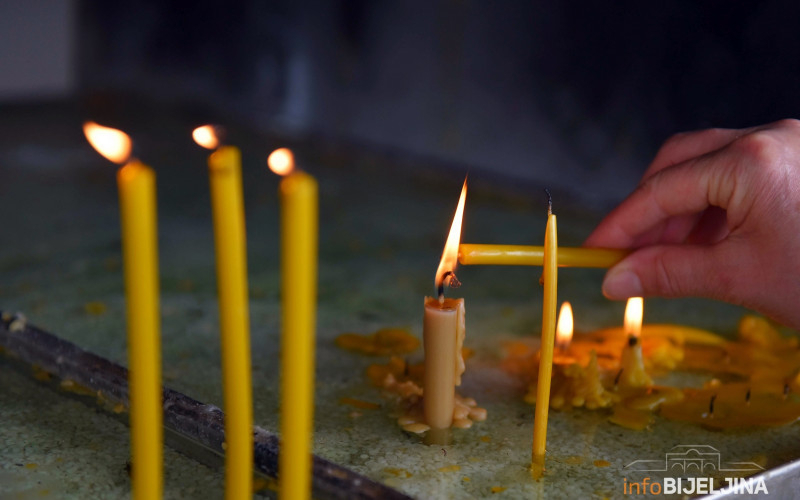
[548, 341]
[443, 336]
[299, 231]
[525, 255]
[227, 208]
[137, 201]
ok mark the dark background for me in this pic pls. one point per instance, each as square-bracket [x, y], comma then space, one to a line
[573, 94]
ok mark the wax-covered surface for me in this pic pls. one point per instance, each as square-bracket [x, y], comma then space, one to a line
[382, 232]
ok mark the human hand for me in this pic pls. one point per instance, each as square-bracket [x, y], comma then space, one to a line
[717, 214]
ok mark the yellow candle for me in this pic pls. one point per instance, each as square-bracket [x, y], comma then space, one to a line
[443, 336]
[632, 373]
[227, 208]
[548, 340]
[137, 201]
[299, 213]
[523, 255]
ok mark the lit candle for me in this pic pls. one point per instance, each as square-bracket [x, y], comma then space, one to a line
[137, 202]
[299, 231]
[550, 280]
[443, 336]
[632, 372]
[564, 331]
[227, 208]
[523, 255]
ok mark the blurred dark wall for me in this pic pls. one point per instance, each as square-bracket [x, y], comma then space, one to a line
[575, 92]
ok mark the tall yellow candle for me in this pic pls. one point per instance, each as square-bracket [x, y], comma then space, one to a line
[525, 255]
[548, 341]
[299, 231]
[227, 207]
[137, 201]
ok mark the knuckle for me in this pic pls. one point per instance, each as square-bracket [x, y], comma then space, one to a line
[760, 148]
[790, 124]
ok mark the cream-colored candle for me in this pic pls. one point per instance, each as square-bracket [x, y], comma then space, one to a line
[632, 372]
[443, 335]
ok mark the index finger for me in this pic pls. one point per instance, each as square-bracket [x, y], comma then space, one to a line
[683, 189]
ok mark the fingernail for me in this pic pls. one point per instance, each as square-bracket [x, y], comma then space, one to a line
[621, 284]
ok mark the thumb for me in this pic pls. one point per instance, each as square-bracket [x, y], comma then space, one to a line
[671, 271]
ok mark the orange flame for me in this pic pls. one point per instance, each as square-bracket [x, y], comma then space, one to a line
[565, 326]
[450, 253]
[113, 144]
[206, 136]
[634, 311]
[281, 161]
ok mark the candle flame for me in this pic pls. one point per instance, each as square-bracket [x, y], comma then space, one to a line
[450, 253]
[206, 136]
[113, 144]
[281, 161]
[565, 326]
[633, 316]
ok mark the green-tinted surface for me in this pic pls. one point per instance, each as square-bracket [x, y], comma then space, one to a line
[382, 233]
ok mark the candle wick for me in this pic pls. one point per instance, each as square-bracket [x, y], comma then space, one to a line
[785, 390]
[450, 280]
[619, 374]
[549, 202]
[711, 405]
[747, 397]
[633, 340]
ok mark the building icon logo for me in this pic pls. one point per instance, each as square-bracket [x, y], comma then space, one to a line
[692, 458]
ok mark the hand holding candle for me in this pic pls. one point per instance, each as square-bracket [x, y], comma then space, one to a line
[137, 201]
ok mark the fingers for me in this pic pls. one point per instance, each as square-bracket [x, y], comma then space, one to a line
[687, 145]
[673, 271]
[679, 191]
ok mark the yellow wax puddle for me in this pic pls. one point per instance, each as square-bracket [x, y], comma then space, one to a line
[601, 463]
[450, 468]
[466, 479]
[498, 489]
[41, 375]
[486, 439]
[95, 308]
[401, 473]
[384, 342]
[75, 388]
[753, 381]
[262, 484]
[365, 405]
[31, 466]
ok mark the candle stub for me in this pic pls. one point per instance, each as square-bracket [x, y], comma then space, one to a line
[443, 336]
